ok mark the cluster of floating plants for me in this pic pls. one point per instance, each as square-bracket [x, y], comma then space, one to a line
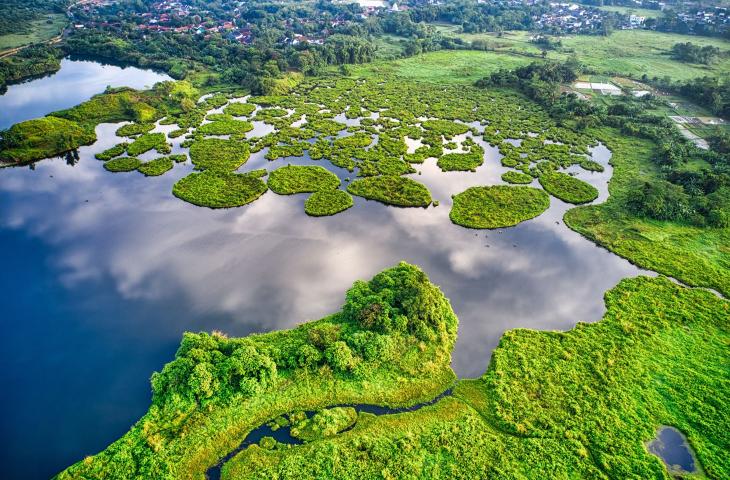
[378, 130]
[497, 206]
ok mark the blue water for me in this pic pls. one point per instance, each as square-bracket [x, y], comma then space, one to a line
[102, 273]
[75, 82]
[671, 446]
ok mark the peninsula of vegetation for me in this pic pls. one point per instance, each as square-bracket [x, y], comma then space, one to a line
[656, 358]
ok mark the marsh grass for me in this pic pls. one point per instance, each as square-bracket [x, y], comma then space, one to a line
[156, 167]
[219, 189]
[123, 164]
[568, 188]
[391, 190]
[517, 177]
[497, 206]
[218, 154]
[301, 179]
[327, 202]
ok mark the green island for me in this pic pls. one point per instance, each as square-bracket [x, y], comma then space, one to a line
[324, 423]
[220, 189]
[301, 179]
[324, 203]
[497, 206]
[568, 188]
[517, 177]
[123, 164]
[392, 190]
[654, 359]
[156, 167]
[218, 154]
[112, 152]
[40, 138]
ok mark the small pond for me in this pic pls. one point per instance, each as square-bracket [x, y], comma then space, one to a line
[674, 450]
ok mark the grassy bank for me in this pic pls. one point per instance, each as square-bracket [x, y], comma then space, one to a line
[698, 256]
[41, 30]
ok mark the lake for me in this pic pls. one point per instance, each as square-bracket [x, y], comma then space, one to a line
[75, 82]
[104, 272]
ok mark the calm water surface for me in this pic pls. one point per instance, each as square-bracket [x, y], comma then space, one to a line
[103, 272]
[672, 447]
[77, 81]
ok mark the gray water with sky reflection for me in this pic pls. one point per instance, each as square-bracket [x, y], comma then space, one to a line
[103, 272]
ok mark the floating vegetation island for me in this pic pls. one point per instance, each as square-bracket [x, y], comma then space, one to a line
[375, 130]
[497, 206]
[216, 189]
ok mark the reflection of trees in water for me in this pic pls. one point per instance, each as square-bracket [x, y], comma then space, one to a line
[72, 157]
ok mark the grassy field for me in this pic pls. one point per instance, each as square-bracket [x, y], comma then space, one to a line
[625, 52]
[445, 66]
[42, 31]
[388, 46]
[638, 52]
